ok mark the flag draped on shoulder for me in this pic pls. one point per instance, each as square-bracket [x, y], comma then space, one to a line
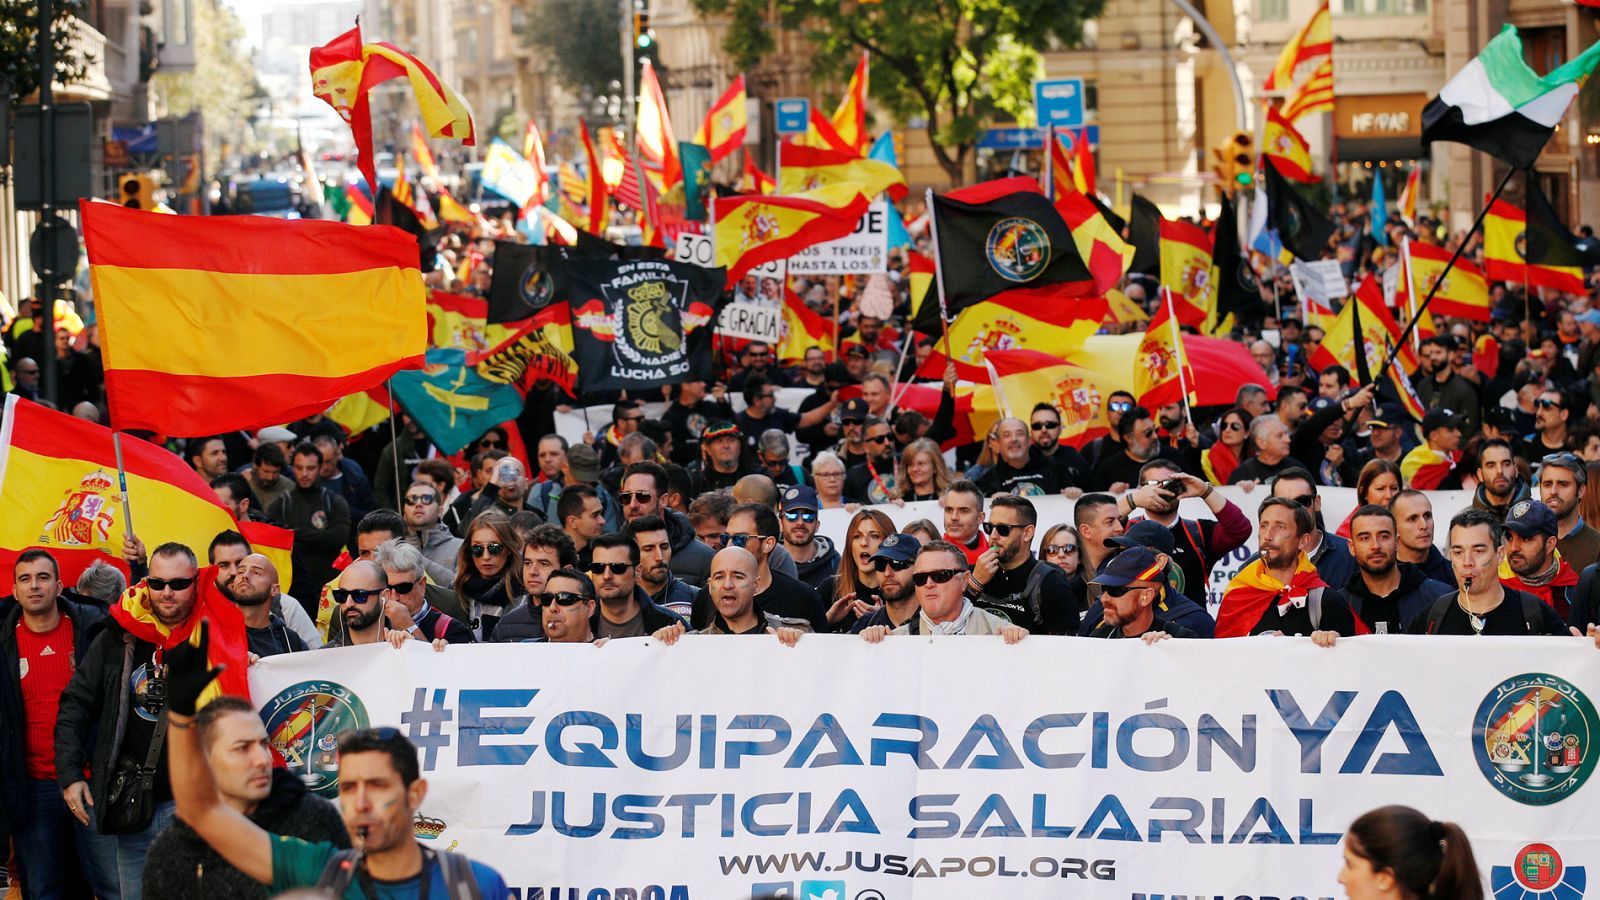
[723, 130]
[753, 229]
[344, 71]
[1499, 105]
[1314, 40]
[212, 325]
[1186, 270]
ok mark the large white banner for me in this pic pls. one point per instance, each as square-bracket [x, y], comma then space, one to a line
[861, 252]
[960, 767]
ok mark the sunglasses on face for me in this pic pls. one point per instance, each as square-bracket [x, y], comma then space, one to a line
[884, 565]
[800, 515]
[631, 419]
[739, 540]
[848, 422]
[161, 584]
[479, 551]
[937, 576]
[1046, 426]
[491, 445]
[1120, 406]
[1232, 426]
[421, 499]
[1542, 403]
[1060, 549]
[1305, 500]
[998, 528]
[342, 596]
[642, 497]
[562, 598]
[404, 587]
[878, 439]
[617, 568]
[1119, 591]
[1149, 433]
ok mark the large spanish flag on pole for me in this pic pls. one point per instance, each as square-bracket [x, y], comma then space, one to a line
[1022, 378]
[211, 325]
[1009, 323]
[726, 121]
[1463, 294]
[1504, 243]
[1186, 270]
[753, 229]
[809, 168]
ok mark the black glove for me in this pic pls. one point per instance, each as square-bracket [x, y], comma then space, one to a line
[189, 670]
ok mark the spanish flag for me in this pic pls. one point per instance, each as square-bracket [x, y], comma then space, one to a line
[276, 544]
[360, 206]
[357, 412]
[1059, 162]
[1315, 95]
[1362, 335]
[1288, 149]
[460, 322]
[849, 120]
[1314, 40]
[1010, 323]
[59, 491]
[1023, 378]
[210, 325]
[1083, 172]
[1102, 248]
[803, 329]
[1425, 468]
[533, 152]
[658, 146]
[597, 185]
[229, 646]
[1408, 195]
[753, 229]
[1463, 293]
[422, 153]
[1160, 373]
[821, 135]
[756, 181]
[809, 168]
[724, 128]
[1504, 243]
[1250, 593]
[451, 210]
[1186, 270]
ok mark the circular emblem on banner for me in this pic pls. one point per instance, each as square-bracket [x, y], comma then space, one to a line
[304, 722]
[1533, 737]
[535, 288]
[1521, 244]
[1537, 871]
[1018, 249]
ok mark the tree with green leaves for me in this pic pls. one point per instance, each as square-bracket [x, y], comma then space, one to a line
[958, 65]
[19, 45]
[222, 86]
[581, 38]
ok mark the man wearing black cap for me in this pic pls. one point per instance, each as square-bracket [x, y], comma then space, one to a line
[893, 562]
[1130, 584]
[1438, 386]
[1010, 582]
[1385, 436]
[852, 448]
[1385, 593]
[1533, 565]
[1169, 603]
[1199, 544]
[1484, 605]
[721, 462]
[691, 409]
[1500, 485]
[1550, 434]
[1431, 465]
[815, 559]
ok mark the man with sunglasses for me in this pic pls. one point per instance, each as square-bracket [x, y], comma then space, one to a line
[1118, 404]
[566, 608]
[1130, 584]
[1550, 433]
[872, 480]
[1563, 480]
[406, 604]
[754, 528]
[1198, 544]
[815, 558]
[1139, 442]
[358, 596]
[1021, 468]
[1071, 468]
[643, 486]
[625, 609]
[939, 578]
[1010, 582]
[894, 560]
[423, 511]
[545, 549]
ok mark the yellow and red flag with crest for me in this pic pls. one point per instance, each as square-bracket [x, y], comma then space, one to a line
[1288, 149]
[1463, 293]
[1186, 270]
[1022, 378]
[726, 122]
[808, 168]
[1160, 373]
[753, 229]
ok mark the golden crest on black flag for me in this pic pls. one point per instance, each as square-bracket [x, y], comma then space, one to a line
[640, 323]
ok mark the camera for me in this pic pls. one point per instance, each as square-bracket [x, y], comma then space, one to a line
[1173, 486]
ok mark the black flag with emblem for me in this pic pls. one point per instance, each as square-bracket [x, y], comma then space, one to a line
[520, 285]
[638, 323]
[1238, 291]
[1002, 237]
[1302, 228]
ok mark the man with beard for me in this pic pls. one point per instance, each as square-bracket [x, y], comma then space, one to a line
[735, 606]
[1413, 520]
[320, 520]
[1139, 442]
[1385, 594]
[893, 561]
[754, 526]
[1484, 605]
[1010, 582]
[873, 479]
[1550, 433]
[852, 448]
[359, 596]
[1440, 386]
[251, 588]
[1499, 483]
[1021, 469]
[1280, 592]
[1130, 585]
[1198, 544]
[721, 462]
[1118, 404]
[815, 558]
[655, 565]
[1072, 470]
[625, 609]
[1563, 480]
[644, 486]
[1533, 565]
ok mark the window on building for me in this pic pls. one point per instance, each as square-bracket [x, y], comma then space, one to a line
[1384, 7]
[1544, 48]
[1271, 10]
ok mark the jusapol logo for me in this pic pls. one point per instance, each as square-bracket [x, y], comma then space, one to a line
[1533, 737]
[1537, 873]
[303, 724]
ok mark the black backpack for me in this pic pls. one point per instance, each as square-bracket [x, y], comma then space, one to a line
[1530, 612]
[459, 882]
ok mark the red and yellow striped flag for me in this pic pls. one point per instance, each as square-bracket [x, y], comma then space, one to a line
[1314, 96]
[357, 412]
[726, 121]
[1083, 173]
[753, 229]
[1464, 292]
[756, 181]
[276, 544]
[422, 153]
[1287, 148]
[809, 168]
[803, 329]
[1060, 164]
[210, 325]
[849, 120]
[1008, 323]
[658, 147]
[1103, 250]
[1186, 270]
[360, 207]
[1022, 378]
[1315, 39]
[1160, 372]
[599, 211]
[533, 152]
[1504, 228]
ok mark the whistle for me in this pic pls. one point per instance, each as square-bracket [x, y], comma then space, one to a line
[1466, 584]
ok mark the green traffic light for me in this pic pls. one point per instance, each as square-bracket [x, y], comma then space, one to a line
[644, 40]
[1244, 178]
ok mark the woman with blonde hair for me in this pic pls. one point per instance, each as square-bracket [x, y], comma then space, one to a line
[856, 590]
[923, 474]
[486, 582]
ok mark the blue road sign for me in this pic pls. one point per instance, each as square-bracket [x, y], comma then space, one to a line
[793, 115]
[1028, 138]
[1059, 101]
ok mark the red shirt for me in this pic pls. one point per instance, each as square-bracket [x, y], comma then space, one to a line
[46, 665]
[972, 551]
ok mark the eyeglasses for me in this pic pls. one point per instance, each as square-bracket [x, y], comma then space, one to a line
[1059, 549]
[1149, 433]
[643, 497]
[161, 584]
[937, 576]
[1542, 403]
[404, 587]
[899, 565]
[1119, 406]
[800, 515]
[359, 595]
[1233, 426]
[617, 568]
[1046, 426]
[827, 474]
[1119, 591]
[562, 598]
[421, 499]
[739, 540]
[478, 551]
[879, 439]
[999, 528]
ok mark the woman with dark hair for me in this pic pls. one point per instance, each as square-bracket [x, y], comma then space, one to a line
[1396, 851]
[485, 579]
[1059, 548]
[1219, 460]
[856, 590]
[1378, 483]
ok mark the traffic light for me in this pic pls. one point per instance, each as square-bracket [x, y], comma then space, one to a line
[1235, 162]
[643, 35]
[138, 191]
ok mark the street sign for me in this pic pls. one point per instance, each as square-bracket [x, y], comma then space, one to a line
[72, 140]
[792, 114]
[53, 249]
[1059, 101]
[1029, 138]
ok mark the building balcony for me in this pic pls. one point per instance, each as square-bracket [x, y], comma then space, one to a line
[91, 46]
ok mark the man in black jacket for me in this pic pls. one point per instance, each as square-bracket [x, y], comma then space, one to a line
[1385, 593]
[320, 519]
[44, 633]
[624, 610]
[182, 865]
[645, 484]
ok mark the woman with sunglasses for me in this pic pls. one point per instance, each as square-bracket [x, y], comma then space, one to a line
[924, 476]
[1059, 548]
[856, 590]
[1221, 458]
[484, 572]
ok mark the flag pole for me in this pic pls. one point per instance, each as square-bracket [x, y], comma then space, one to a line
[938, 273]
[901, 388]
[1411, 289]
[1050, 162]
[1434, 288]
[394, 441]
[122, 483]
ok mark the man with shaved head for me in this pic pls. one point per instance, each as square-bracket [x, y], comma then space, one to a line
[251, 587]
[358, 601]
[732, 587]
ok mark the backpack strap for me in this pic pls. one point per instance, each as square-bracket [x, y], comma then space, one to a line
[339, 872]
[1314, 606]
[459, 882]
[441, 625]
[1436, 612]
[1032, 590]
